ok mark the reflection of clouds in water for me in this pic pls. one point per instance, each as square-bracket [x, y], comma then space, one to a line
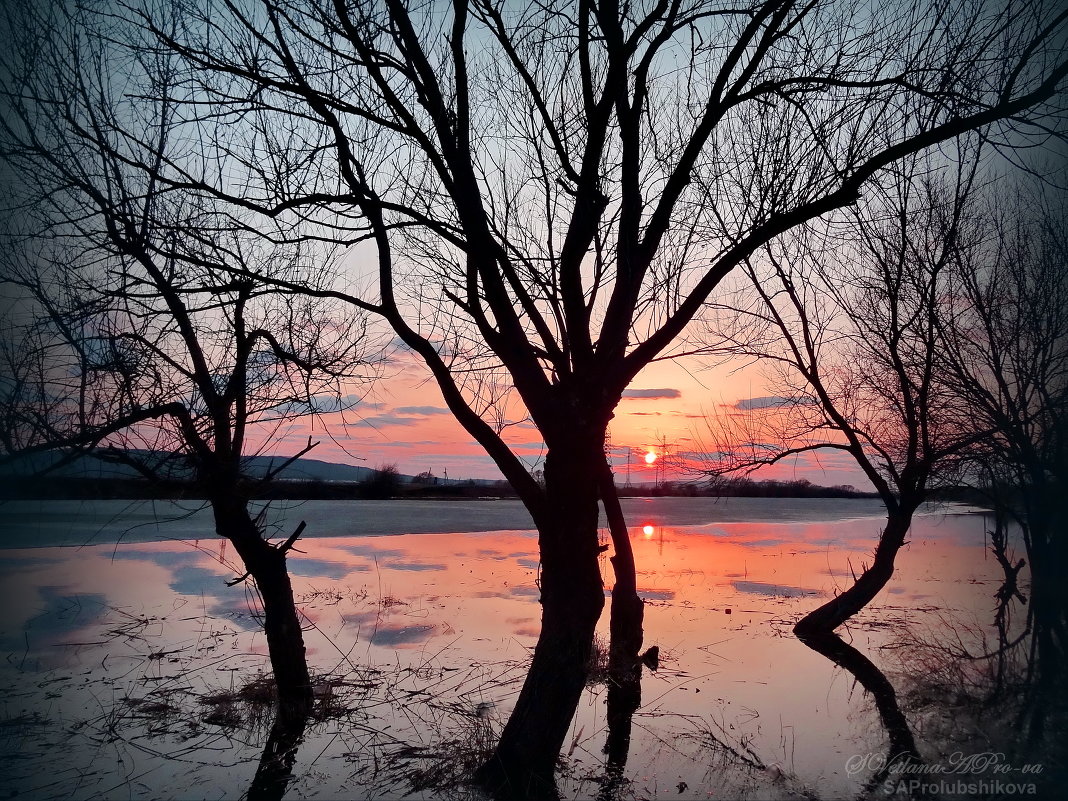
[523, 626]
[370, 551]
[323, 568]
[230, 602]
[401, 635]
[760, 588]
[710, 530]
[411, 566]
[195, 580]
[162, 558]
[656, 595]
[240, 613]
[58, 613]
[858, 544]
[390, 559]
[10, 566]
[518, 591]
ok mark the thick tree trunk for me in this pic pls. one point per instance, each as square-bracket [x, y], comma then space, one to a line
[838, 610]
[572, 597]
[281, 623]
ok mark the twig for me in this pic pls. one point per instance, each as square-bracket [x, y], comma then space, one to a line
[293, 537]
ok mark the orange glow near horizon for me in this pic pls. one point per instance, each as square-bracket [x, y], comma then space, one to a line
[404, 422]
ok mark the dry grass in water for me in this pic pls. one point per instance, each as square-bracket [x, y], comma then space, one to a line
[597, 665]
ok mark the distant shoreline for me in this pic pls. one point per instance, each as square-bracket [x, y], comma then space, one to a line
[78, 488]
[80, 522]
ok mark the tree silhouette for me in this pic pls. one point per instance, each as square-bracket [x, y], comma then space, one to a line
[1007, 358]
[130, 338]
[850, 316]
[544, 199]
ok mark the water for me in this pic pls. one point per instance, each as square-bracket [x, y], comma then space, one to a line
[111, 648]
[40, 523]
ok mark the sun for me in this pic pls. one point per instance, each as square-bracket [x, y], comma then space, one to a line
[647, 530]
[650, 457]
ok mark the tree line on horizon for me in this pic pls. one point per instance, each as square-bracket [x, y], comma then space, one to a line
[20, 482]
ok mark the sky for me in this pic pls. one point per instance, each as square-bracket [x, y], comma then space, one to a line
[402, 420]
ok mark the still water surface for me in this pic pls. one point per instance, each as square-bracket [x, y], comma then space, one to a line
[118, 623]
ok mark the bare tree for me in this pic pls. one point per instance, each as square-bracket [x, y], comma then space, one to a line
[936, 353]
[131, 338]
[851, 317]
[1007, 357]
[556, 190]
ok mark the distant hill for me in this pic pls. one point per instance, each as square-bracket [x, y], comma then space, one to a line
[95, 475]
[311, 470]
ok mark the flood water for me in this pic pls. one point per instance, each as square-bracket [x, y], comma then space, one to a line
[122, 646]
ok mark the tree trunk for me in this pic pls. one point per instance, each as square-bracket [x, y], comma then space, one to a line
[281, 623]
[627, 609]
[627, 615]
[837, 611]
[572, 597]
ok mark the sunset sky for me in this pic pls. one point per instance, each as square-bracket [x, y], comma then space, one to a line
[402, 420]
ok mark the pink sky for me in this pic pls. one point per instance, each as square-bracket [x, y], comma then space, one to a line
[402, 420]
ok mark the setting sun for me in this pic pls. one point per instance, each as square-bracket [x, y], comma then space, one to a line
[650, 457]
[647, 530]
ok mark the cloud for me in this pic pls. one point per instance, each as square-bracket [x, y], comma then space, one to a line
[323, 404]
[421, 410]
[649, 394]
[532, 445]
[770, 402]
[401, 635]
[379, 420]
[436, 445]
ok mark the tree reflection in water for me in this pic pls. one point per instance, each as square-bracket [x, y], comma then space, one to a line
[902, 747]
[279, 754]
[624, 698]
